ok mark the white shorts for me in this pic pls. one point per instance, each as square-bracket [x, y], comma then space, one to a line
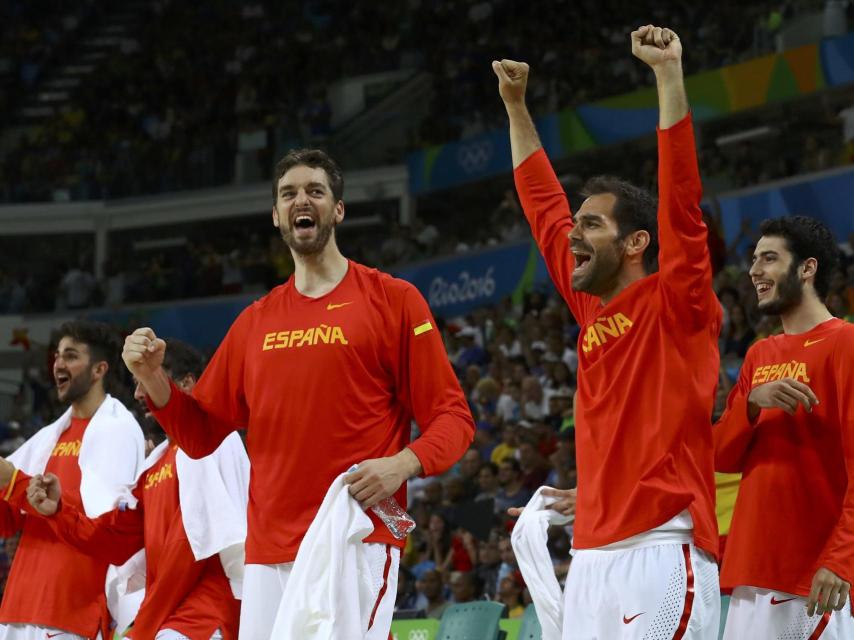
[660, 592]
[171, 634]
[264, 586]
[762, 613]
[33, 632]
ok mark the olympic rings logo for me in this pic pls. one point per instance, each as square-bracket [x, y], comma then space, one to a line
[474, 157]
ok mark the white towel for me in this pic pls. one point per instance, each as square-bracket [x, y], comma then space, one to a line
[529, 540]
[213, 493]
[111, 456]
[329, 595]
[126, 589]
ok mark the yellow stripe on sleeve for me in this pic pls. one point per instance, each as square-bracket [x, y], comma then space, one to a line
[422, 328]
[11, 484]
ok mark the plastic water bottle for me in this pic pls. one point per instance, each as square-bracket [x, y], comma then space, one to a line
[392, 514]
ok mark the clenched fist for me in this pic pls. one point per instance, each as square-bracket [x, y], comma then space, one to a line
[143, 353]
[44, 493]
[512, 80]
[657, 46]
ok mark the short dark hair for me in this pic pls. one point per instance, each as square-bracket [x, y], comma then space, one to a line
[103, 341]
[493, 468]
[636, 209]
[181, 360]
[807, 238]
[316, 159]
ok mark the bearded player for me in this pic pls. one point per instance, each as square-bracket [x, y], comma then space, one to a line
[326, 371]
[96, 449]
[789, 428]
[640, 286]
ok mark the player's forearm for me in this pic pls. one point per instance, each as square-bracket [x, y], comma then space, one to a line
[157, 388]
[188, 425]
[732, 435]
[672, 99]
[524, 139]
[443, 442]
[112, 537]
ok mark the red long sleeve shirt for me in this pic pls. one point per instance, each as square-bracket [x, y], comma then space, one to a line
[322, 384]
[52, 584]
[182, 594]
[795, 507]
[648, 360]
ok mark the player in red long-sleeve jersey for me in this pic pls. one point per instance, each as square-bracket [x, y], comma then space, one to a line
[789, 429]
[184, 598]
[96, 448]
[324, 372]
[645, 534]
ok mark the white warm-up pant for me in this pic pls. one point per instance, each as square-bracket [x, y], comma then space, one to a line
[659, 592]
[264, 586]
[761, 613]
[34, 632]
[170, 634]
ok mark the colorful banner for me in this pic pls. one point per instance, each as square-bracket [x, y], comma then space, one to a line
[428, 629]
[765, 80]
[454, 286]
[829, 198]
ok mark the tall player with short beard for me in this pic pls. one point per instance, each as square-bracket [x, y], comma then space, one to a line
[96, 449]
[789, 429]
[324, 372]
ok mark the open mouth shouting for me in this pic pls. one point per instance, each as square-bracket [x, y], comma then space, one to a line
[582, 261]
[63, 380]
[304, 224]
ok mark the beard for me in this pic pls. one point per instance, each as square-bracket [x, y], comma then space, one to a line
[790, 292]
[602, 272]
[309, 247]
[77, 388]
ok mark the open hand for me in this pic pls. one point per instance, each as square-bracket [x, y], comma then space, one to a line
[829, 592]
[785, 394]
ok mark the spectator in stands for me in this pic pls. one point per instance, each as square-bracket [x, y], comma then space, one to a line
[740, 334]
[534, 467]
[512, 492]
[469, 470]
[431, 594]
[465, 587]
[487, 481]
[510, 595]
[508, 445]
[489, 563]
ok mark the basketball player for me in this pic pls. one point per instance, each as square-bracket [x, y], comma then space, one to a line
[789, 428]
[326, 371]
[184, 598]
[96, 449]
[645, 534]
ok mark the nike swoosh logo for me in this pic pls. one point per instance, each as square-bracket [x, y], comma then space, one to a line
[775, 601]
[331, 306]
[809, 343]
[53, 635]
[628, 620]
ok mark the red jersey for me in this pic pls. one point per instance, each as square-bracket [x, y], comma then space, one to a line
[322, 384]
[52, 584]
[647, 361]
[795, 506]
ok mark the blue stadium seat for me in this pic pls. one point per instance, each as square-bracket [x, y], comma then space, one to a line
[471, 621]
[530, 628]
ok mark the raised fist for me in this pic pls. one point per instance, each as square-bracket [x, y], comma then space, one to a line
[657, 46]
[143, 353]
[44, 493]
[512, 80]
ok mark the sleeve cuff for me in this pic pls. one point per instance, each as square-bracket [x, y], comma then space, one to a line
[173, 389]
[686, 122]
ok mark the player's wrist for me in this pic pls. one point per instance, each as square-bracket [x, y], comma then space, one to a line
[668, 72]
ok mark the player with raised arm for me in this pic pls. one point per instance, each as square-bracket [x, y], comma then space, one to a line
[789, 429]
[640, 286]
[324, 372]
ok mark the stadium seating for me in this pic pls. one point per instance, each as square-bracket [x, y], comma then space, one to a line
[471, 621]
[530, 629]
